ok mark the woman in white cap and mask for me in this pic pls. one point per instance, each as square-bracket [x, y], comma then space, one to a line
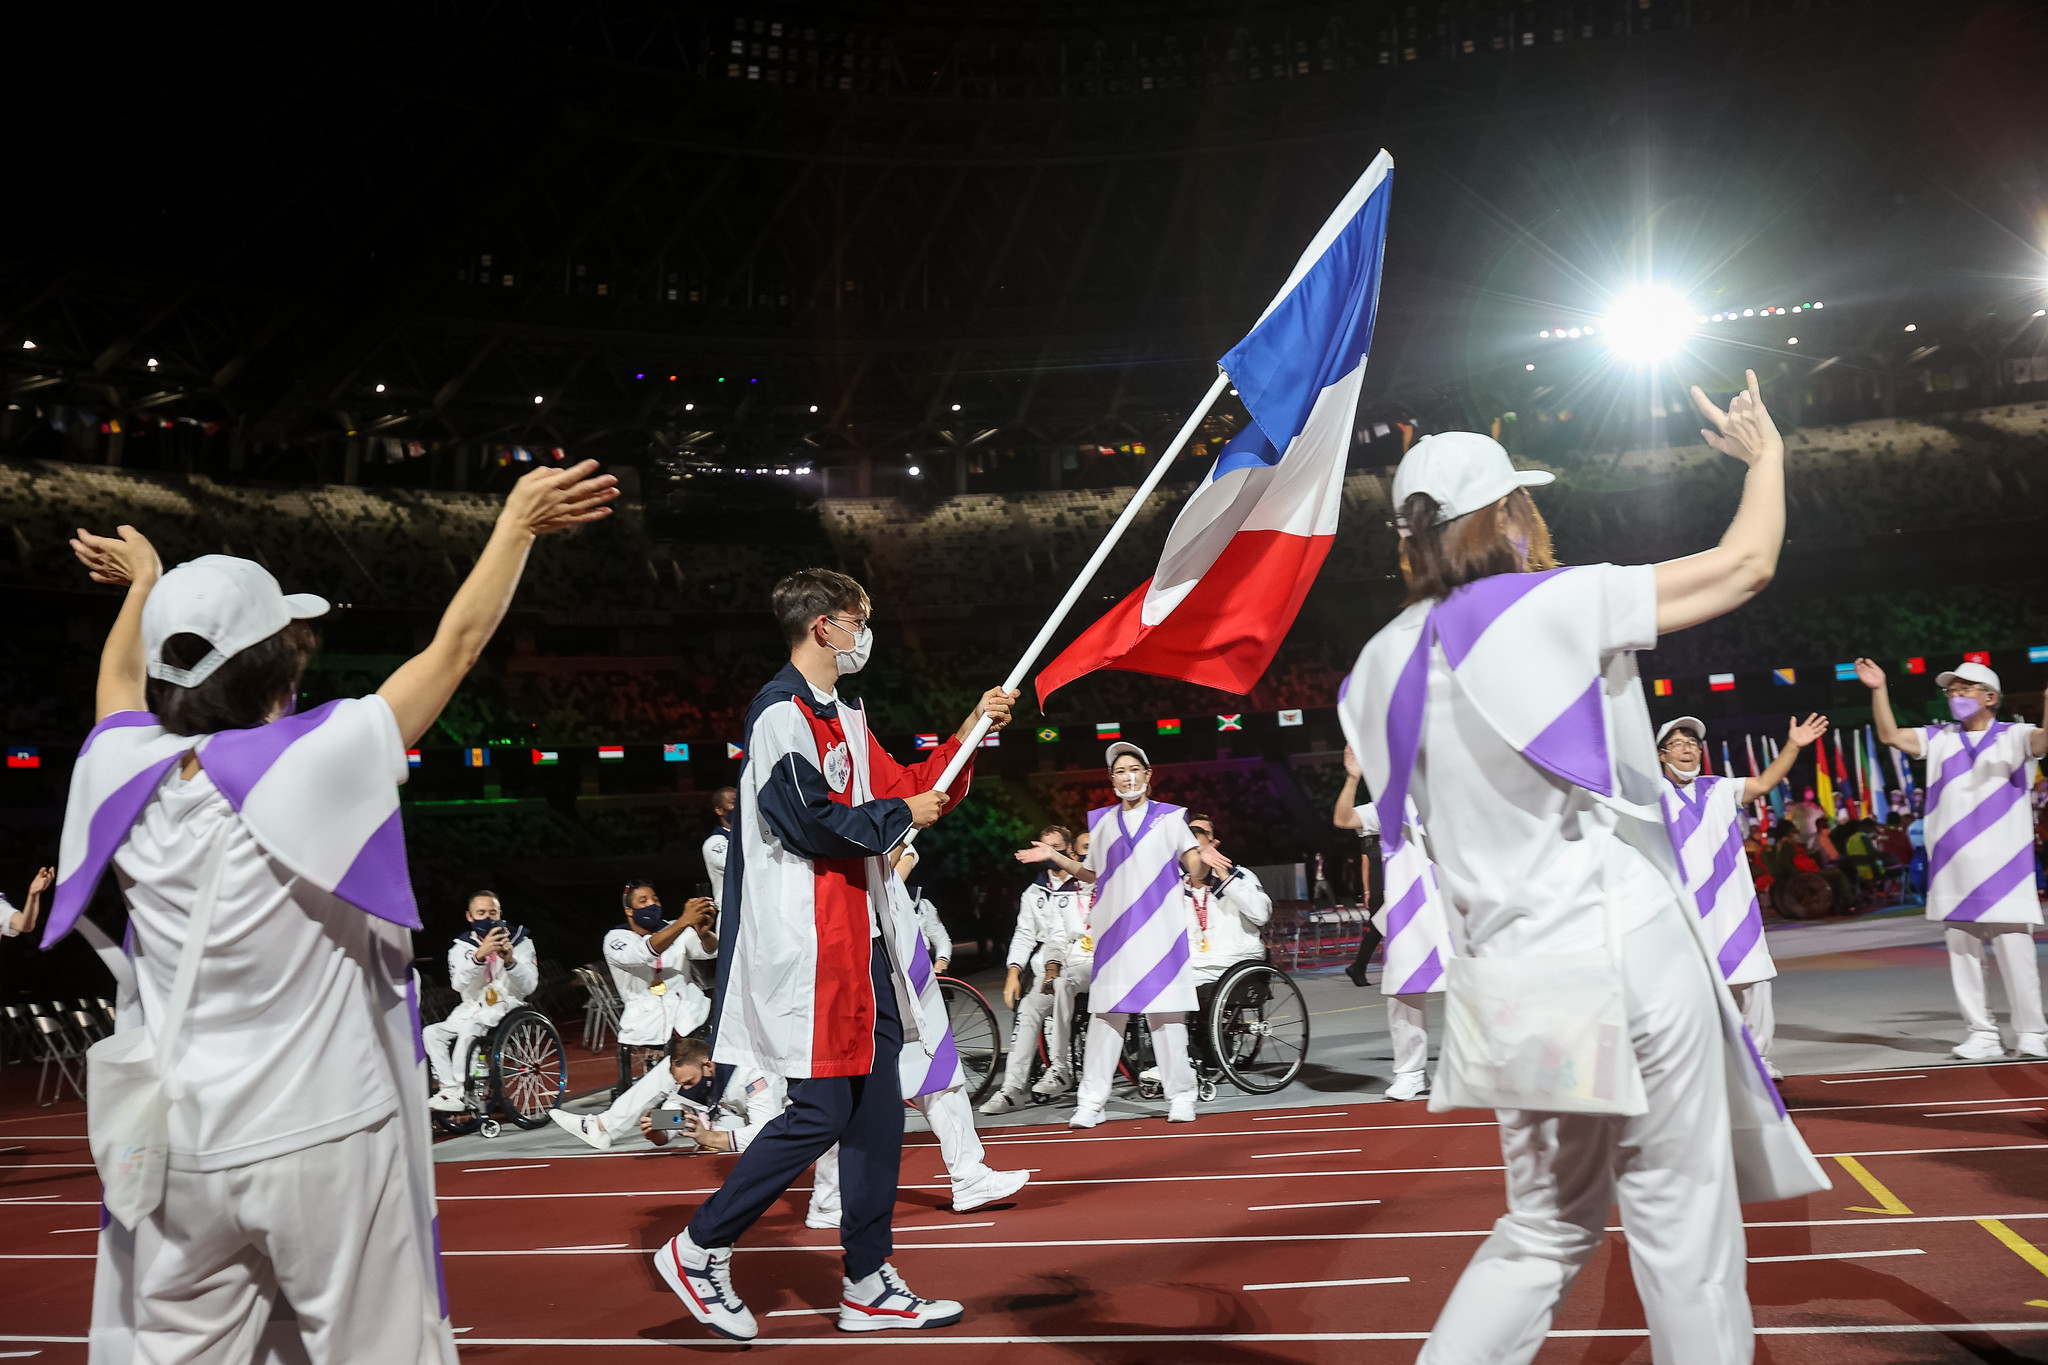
[1504, 701]
[1703, 814]
[259, 1119]
[1980, 847]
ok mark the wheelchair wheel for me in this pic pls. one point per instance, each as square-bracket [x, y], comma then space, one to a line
[1257, 1028]
[476, 1092]
[975, 1037]
[529, 1069]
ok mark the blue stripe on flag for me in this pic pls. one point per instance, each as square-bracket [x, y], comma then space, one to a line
[1247, 450]
[1321, 330]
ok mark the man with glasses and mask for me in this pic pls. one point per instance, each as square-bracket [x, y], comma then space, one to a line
[493, 968]
[1980, 847]
[1139, 936]
[1703, 816]
[816, 983]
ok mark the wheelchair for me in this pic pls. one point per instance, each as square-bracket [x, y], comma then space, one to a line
[975, 1037]
[1251, 1029]
[513, 1074]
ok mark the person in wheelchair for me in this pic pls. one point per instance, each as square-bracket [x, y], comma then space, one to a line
[651, 959]
[1226, 907]
[493, 967]
[1048, 905]
[1070, 962]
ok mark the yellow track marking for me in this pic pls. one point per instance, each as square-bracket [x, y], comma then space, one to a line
[1887, 1201]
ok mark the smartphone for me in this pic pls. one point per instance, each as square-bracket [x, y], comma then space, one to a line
[677, 1119]
[704, 890]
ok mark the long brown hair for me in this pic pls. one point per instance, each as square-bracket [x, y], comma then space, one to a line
[1509, 536]
[242, 693]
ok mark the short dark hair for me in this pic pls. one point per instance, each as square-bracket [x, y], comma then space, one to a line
[626, 896]
[474, 896]
[1060, 830]
[1508, 536]
[1197, 815]
[239, 695]
[688, 1051]
[807, 594]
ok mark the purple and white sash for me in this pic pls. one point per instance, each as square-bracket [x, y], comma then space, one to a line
[1415, 920]
[1704, 821]
[1980, 833]
[923, 1069]
[1141, 941]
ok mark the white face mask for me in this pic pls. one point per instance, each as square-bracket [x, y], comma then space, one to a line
[1131, 786]
[1682, 774]
[855, 659]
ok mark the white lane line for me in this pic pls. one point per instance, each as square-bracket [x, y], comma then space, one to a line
[1248, 1132]
[55, 1231]
[53, 1166]
[1328, 1284]
[19, 1355]
[1328, 1204]
[1837, 1256]
[4, 1150]
[799, 1312]
[1327, 1151]
[1967, 1113]
[1326, 1114]
[1942, 1151]
[936, 1227]
[594, 1246]
[1254, 1338]
[490, 1170]
[51, 1201]
[1873, 1080]
[28, 1199]
[1825, 1110]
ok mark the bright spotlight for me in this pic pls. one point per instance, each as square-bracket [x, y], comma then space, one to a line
[1574, 332]
[1648, 323]
[913, 471]
[380, 388]
[814, 407]
[2041, 312]
[1912, 327]
[537, 398]
[689, 407]
[28, 345]
[1544, 334]
[956, 407]
[1791, 341]
[1528, 367]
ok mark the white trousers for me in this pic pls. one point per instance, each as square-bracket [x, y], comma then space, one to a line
[1033, 1008]
[1754, 1000]
[1074, 978]
[1105, 1046]
[623, 1118]
[1408, 1022]
[445, 1042]
[2013, 945]
[330, 1226]
[1671, 1170]
[952, 1119]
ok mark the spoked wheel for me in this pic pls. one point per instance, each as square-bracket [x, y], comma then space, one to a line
[529, 1069]
[975, 1037]
[476, 1093]
[1257, 1028]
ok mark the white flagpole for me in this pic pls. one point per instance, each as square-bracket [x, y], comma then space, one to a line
[1087, 574]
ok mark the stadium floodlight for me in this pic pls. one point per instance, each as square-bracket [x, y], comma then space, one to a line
[1818, 304]
[913, 471]
[1912, 326]
[1528, 367]
[537, 398]
[956, 407]
[689, 407]
[1791, 341]
[2041, 312]
[1648, 323]
[28, 345]
[380, 388]
[814, 407]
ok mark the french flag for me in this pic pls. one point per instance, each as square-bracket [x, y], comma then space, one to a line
[1251, 539]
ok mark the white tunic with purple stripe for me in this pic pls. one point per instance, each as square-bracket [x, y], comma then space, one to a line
[1980, 827]
[1140, 928]
[1704, 819]
[1414, 920]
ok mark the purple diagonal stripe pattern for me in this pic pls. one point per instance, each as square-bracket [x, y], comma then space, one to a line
[104, 834]
[1466, 614]
[1135, 916]
[1425, 978]
[1996, 887]
[1574, 746]
[1988, 813]
[1692, 808]
[1163, 974]
[120, 720]
[1403, 911]
[1957, 763]
[1756, 1059]
[1742, 940]
[1404, 738]
[237, 759]
[945, 1066]
[1127, 840]
[378, 881]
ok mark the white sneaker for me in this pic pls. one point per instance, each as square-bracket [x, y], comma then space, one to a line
[2032, 1045]
[1051, 1084]
[703, 1281]
[1980, 1047]
[591, 1130]
[1771, 1070]
[1181, 1111]
[987, 1187]
[1086, 1118]
[1003, 1102]
[822, 1216]
[1408, 1086]
[449, 1099]
[1150, 1073]
[883, 1303]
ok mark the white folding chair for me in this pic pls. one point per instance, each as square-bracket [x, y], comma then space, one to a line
[59, 1048]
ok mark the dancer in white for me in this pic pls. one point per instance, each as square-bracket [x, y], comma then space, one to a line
[723, 802]
[1504, 700]
[1141, 942]
[1980, 848]
[653, 968]
[268, 985]
[1418, 934]
[493, 968]
[1703, 815]
[1049, 904]
[1071, 964]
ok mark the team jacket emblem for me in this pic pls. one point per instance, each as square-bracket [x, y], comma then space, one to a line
[838, 767]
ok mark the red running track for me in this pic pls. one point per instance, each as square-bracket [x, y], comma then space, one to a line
[1217, 1241]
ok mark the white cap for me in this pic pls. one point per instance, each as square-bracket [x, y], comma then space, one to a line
[1463, 471]
[229, 603]
[1692, 723]
[1970, 672]
[1120, 748]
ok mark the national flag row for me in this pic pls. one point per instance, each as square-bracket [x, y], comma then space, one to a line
[1843, 672]
[501, 755]
[1169, 725]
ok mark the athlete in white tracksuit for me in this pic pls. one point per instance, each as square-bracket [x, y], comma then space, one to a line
[1045, 913]
[493, 968]
[1071, 964]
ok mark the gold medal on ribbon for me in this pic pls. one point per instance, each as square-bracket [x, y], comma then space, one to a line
[657, 988]
[1087, 943]
[490, 995]
[1205, 943]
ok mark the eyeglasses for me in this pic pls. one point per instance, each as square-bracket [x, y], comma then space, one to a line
[859, 624]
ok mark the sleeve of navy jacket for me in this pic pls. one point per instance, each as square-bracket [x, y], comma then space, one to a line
[798, 807]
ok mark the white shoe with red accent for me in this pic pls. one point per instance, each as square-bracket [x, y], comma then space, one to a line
[702, 1279]
[883, 1303]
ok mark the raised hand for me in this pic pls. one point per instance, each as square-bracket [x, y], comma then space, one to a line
[556, 499]
[996, 704]
[1869, 674]
[41, 881]
[1805, 732]
[1212, 856]
[1351, 768]
[1037, 853]
[926, 807]
[120, 559]
[1745, 431]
